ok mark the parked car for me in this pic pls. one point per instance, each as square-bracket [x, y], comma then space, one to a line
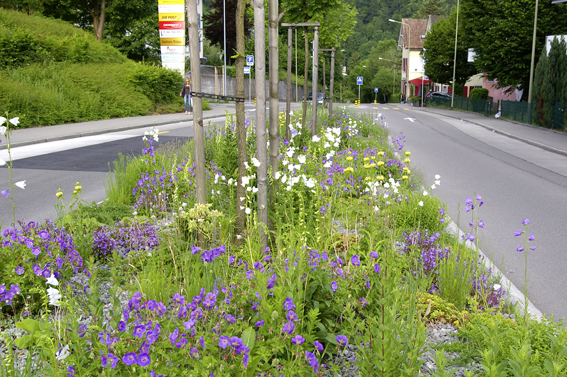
[320, 97]
[437, 95]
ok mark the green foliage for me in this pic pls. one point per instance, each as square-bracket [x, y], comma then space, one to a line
[439, 52]
[501, 34]
[25, 40]
[409, 214]
[481, 93]
[160, 85]
[431, 7]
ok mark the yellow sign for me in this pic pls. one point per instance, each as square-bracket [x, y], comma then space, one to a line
[172, 41]
[172, 16]
[170, 2]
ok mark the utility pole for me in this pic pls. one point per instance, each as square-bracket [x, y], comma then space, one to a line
[197, 101]
[288, 94]
[332, 78]
[315, 79]
[274, 95]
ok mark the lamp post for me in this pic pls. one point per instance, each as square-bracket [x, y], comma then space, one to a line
[394, 83]
[224, 28]
[455, 57]
[533, 53]
[409, 52]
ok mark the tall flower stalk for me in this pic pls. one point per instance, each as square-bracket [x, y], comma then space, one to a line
[6, 131]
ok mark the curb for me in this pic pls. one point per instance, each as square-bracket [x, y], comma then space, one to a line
[96, 132]
[527, 141]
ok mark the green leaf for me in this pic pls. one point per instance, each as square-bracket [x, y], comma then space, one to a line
[29, 325]
[249, 337]
[24, 342]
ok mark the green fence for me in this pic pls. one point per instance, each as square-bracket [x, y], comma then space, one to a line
[559, 121]
[516, 111]
[477, 105]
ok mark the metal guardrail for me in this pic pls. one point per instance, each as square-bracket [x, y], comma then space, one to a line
[218, 97]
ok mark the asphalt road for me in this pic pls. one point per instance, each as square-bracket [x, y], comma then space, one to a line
[516, 181]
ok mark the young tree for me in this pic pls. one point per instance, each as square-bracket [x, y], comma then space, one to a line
[431, 7]
[439, 53]
[86, 13]
[501, 34]
[240, 127]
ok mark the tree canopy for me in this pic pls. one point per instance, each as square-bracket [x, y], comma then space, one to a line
[500, 31]
[439, 52]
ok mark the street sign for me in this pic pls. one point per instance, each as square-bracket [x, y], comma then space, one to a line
[359, 80]
[375, 90]
[249, 59]
[246, 70]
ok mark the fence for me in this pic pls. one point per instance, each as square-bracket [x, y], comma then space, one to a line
[477, 105]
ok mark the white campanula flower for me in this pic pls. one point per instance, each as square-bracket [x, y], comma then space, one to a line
[420, 203]
[278, 175]
[54, 296]
[52, 280]
[246, 165]
[337, 130]
[425, 193]
[310, 183]
[3, 128]
[248, 211]
[437, 176]
[289, 152]
[62, 353]
[315, 139]
[2, 120]
[284, 178]
[301, 159]
[327, 164]
[21, 184]
[255, 162]
[230, 181]
[326, 145]
[297, 167]
[254, 190]
[245, 181]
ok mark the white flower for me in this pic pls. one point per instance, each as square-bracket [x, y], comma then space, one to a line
[289, 152]
[278, 175]
[301, 159]
[230, 181]
[52, 280]
[15, 121]
[254, 190]
[248, 188]
[497, 287]
[54, 296]
[433, 187]
[284, 178]
[326, 145]
[245, 181]
[255, 162]
[21, 184]
[62, 353]
[248, 211]
[420, 204]
[238, 237]
[242, 199]
[246, 165]
[2, 120]
[310, 183]
[297, 167]
[3, 128]
[327, 165]
[315, 139]
[425, 193]
[437, 176]
[241, 207]
[376, 208]
[386, 185]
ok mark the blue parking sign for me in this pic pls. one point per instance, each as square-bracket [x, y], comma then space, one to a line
[375, 90]
[249, 59]
[359, 80]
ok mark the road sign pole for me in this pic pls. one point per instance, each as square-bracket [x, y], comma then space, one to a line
[250, 86]
[359, 92]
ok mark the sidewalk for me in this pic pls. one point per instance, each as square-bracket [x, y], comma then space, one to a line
[29, 136]
[550, 140]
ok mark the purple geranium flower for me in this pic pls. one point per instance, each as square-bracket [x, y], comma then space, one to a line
[342, 340]
[289, 327]
[355, 260]
[298, 340]
[259, 323]
[144, 359]
[288, 304]
[19, 270]
[374, 254]
[318, 346]
[130, 358]
[334, 286]
[224, 341]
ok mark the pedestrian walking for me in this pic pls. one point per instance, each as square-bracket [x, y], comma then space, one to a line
[186, 94]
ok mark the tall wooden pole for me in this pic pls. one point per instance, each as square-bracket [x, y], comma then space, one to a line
[288, 94]
[332, 84]
[305, 77]
[261, 139]
[197, 101]
[274, 79]
[315, 78]
[240, 119]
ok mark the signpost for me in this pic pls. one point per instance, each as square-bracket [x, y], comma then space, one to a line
[172, 34]
[359, 83]
[375, 93]
[249, 63]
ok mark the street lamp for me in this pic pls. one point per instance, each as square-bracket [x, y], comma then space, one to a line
[394, 83]
[409, 51]
[533, 53]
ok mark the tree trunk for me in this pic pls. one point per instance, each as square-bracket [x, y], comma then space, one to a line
[197, 101]
[261, 139]
[240, 127]
[306, 73]
[98, 19]
[274, 95]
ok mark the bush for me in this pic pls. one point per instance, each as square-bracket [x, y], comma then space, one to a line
[159, 84]
[480, 93]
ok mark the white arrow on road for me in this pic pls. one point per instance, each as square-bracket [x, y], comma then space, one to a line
[410, 119]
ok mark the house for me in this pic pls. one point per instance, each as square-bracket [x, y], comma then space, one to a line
[410, 41]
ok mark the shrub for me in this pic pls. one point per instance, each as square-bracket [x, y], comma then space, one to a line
[159, 84]
[479, 93]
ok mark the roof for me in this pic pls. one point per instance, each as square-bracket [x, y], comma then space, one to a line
[418, 27]
[432, 20]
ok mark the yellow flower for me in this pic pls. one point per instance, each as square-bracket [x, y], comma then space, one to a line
[349, 158]
[405, 168]
[366, 159]
[366, 166]
[78, 187]
[367, 178]
[380, 163]
[59, 193]
[408, 171]
[404, 177]
[372, 165]
[349, 169]
[380, 177]
[380, 153]
[408, 153]
[407, 160]
[456, 323]
[373, 157]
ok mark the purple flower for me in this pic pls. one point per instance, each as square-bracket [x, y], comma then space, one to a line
[481, 224]
[139, 331]
[318, 346]
[130, 358]
[230, 319]
[19, 270]
[291, 316]
[259, 323]
[174, 335]
[245, 359]
[468, 201]
[209, 301]
[532, 248]
[342, 340]
[374, 254]
[288, 304]
[377, 268]
[82, 330]
[202, 341]
[194, 352]
[525, 221]
[519, 249]
[288, 328]
[224, 341]
[363, 302]
[144, 359]
[313, 362]
[235, 342]
[531, 237]
[5, 193]
[231, 259]
[195, 250]
[334, 286]
[355, 260]
[121, 326]
[517, 233]
[298, 340]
